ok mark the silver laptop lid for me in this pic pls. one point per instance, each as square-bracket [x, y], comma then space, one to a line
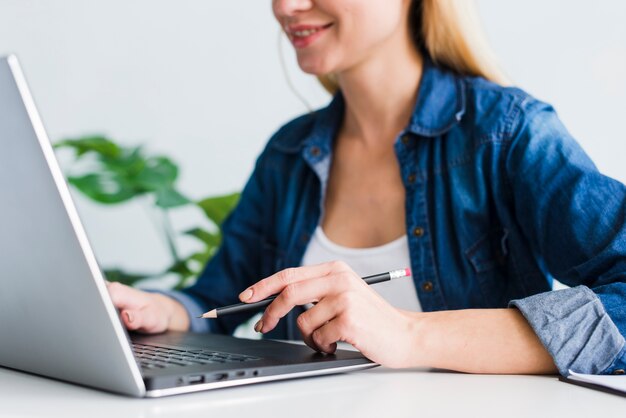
[56, 318]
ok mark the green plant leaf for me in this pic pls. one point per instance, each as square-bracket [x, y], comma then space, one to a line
[180, 267]
[169, 198]
[183, 271]
[129, 279]
[158, 173]
[210, 239]
[97, 144]
[217, 208]
[122, 173]
[204, 256]
[129, 163]
[104, 187]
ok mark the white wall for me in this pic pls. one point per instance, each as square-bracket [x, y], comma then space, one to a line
[573, 55]
[201, 81]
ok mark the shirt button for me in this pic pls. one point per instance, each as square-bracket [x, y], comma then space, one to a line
[619, 371]
[406, 138]
[411, 178]
[427, 286]
[418, 232]
[315, 151]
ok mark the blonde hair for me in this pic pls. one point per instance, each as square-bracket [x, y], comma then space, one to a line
[450, 33]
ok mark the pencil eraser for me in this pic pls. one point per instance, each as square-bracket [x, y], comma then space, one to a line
[407, 271]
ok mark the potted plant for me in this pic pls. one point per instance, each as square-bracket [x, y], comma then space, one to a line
[118, 174]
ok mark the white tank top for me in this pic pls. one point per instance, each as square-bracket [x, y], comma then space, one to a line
[368, 261]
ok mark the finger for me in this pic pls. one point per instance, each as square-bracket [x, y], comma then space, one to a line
[315, 318]
[298, 293]
[136, 321]
[124, 297]
[326, 336]
[277, 282]
[130, 319]
[144, 320]
[308, 340]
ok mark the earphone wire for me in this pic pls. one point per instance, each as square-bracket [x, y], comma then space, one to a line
[283, 66]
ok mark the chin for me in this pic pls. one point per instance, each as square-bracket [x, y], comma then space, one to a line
[316, 67]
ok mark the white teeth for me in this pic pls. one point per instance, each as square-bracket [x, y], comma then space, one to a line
[304, 33]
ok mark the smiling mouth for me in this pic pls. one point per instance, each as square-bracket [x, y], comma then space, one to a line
[305, 31]
[308, 32]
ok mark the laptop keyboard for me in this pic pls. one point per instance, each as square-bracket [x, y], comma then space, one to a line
[155, 357]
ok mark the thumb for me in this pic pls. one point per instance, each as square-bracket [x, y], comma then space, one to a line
[131, 319]
[125, 297]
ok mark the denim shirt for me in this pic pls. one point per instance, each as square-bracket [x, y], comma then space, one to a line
[500, 199]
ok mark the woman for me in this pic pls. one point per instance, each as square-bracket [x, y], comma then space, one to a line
[478, 187]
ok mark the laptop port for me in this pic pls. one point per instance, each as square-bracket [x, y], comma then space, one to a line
[220, 376]
[240, 373]
[193, 380]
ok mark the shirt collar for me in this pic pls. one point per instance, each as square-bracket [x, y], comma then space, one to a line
[440, 105]
[440, 101]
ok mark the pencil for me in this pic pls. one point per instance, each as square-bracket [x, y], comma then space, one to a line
[243, 307]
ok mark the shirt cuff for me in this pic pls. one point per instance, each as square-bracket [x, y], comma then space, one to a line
[574, 327]
[193, 308]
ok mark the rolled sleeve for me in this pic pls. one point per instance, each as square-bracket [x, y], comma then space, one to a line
[597, 347]
[574, 219]
[193, 308]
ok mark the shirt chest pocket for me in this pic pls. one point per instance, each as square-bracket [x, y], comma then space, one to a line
[488, 257]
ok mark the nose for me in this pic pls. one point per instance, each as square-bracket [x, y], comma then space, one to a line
[289, 8]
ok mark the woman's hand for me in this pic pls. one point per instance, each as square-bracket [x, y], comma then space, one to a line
[347, 310]
[150, 313]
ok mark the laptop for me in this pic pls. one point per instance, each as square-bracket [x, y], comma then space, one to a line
[56, 317]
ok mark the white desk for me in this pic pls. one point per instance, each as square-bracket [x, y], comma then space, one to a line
[376, 392]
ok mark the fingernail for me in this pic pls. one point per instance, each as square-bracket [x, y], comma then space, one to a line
[245, 295]
[129, 316]
[259, 326]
